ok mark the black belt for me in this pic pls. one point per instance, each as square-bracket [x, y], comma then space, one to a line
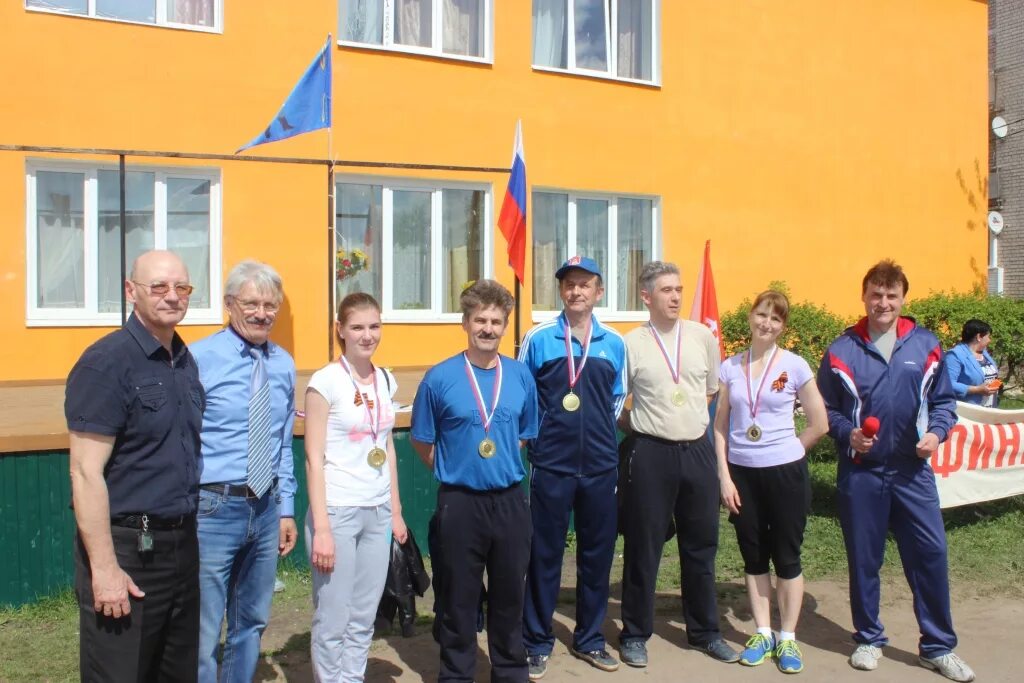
[235, 490]
[154, 522]
[670, 442]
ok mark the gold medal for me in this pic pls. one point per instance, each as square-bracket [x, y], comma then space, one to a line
[677, 397]
[377, 457]
[487, 448]
[571, 402]
[754, 433]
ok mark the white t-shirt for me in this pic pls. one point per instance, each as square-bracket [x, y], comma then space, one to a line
[350, 479]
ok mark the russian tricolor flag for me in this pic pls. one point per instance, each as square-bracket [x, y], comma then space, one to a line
[512, 220]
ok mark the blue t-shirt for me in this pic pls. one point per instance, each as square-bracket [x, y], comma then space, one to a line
[445, 413]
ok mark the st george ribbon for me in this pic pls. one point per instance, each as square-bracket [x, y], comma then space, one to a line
[377, 455]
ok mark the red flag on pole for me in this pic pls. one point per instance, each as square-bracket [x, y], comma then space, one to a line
[512, 219]
[705, 302]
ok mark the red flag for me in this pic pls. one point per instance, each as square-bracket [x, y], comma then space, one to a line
[512, 219]
[705, 302]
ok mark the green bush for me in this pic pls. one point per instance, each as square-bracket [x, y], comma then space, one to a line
[945, 314]
[811, 328]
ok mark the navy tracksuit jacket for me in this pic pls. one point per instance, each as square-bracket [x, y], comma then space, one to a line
[890, 487]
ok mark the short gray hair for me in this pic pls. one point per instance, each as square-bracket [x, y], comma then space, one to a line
[262, 276]
[653, 270]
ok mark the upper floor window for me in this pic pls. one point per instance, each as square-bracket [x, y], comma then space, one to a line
[620, 233]
[191, 14]
[414, 246]
[613, 38]
[74, 245]
[449, 28]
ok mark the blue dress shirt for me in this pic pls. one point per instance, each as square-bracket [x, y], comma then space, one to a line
[224, 369]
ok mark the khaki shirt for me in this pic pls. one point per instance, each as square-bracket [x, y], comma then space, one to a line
[650, 381]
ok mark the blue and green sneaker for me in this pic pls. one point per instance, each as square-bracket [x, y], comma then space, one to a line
[788, 657]
[757, 649]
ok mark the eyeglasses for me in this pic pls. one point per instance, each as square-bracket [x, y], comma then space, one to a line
[164, 288]
[253, 306]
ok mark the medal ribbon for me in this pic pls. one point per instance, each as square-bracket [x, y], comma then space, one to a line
[374, 425]
[753, 400]
[574, 373]
[479, 395]
[674, 368]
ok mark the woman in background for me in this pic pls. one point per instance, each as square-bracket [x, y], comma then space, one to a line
[973, 372]
[763, 473]
[354, 507]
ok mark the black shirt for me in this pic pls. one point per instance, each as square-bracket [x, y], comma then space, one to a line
[126, 385]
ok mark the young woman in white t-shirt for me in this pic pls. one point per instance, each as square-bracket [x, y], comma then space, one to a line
[354, 507]
[763, 473]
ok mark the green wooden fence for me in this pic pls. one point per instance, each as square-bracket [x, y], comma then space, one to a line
[37, 527]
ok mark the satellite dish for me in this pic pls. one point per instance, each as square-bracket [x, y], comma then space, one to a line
[1000, 127]
[995, 222]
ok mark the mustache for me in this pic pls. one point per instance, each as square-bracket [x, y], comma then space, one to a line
[487, 336]
[257, 321]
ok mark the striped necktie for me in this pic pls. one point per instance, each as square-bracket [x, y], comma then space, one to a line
[259, 470]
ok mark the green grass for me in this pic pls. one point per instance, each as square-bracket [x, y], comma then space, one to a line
[986, 556]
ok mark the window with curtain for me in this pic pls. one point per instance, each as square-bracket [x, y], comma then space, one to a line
[617, 232]
[75, 274]
[614, 38]
[413, 245]
[198, 14]
[456, 28]
[358, 240]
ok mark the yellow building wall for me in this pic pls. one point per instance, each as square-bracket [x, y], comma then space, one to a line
[806, 139]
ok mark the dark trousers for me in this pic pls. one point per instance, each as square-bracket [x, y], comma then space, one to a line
[477, 531]
[665, 480]
[159, 639]
[552, 498]
[872, 502]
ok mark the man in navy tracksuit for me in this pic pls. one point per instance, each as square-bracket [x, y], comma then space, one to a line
[887, 367]
[579, 367]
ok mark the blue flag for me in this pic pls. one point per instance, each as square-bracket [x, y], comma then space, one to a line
[307, 108]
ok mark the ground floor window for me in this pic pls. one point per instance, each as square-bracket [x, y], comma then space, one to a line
[414, 246]
[618, 232]
[73, 237]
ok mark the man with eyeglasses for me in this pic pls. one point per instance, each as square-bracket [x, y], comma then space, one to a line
[134, 407]
[247, 486]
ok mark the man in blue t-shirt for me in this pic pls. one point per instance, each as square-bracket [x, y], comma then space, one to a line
[470, 416]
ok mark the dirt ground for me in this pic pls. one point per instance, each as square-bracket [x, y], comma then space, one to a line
[989, 630]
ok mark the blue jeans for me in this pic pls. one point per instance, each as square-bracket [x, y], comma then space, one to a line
[238, 541]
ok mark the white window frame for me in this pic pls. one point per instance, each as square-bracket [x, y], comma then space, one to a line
[161, 16]
[611, 275]
[388, 186]
[436, 35]
[610, 46]
[89, 315]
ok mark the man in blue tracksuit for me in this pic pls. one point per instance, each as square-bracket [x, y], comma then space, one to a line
[888, 368]
[580, 369]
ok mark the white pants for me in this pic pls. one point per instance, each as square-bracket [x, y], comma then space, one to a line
[345, 601]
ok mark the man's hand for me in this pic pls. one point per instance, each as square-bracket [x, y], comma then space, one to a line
[110, 591]
[859, 442]
[927, 445]
[289, 534]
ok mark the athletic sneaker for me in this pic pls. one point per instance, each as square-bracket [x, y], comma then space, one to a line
[758, 648]
[721, 650]
[949, 665]
[537, 666]
[866, 657]
[599, 659]
[788, 657]
[634, 653]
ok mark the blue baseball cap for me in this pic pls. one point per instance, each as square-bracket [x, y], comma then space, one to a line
[581, 262]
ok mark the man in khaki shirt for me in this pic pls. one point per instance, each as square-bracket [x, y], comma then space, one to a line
[671, 469]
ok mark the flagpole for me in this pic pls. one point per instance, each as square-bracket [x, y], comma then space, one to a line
[518, 307]
[331, 218]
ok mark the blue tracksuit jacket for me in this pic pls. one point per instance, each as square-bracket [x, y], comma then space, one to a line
[583, 442]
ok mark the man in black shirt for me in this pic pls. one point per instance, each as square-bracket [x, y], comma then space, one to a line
[134, 407]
